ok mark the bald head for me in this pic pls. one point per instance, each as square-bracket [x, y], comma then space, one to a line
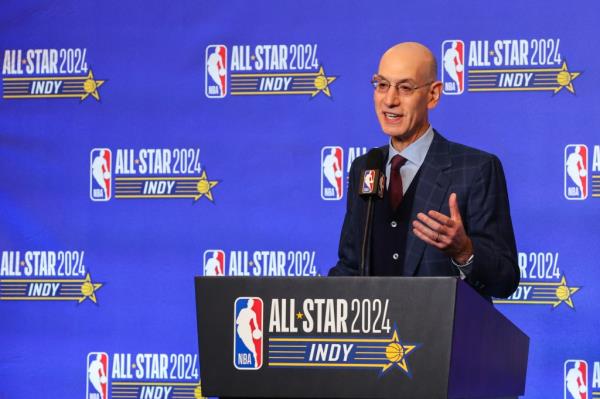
[403, 111]
[416, 56]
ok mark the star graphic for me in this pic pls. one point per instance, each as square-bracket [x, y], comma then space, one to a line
[88, 289]
[396, 353]
[90, 87]
[299, 315]
[203, 187]
[564, 78]
[198, 391]
[564, 293]
[322, 82]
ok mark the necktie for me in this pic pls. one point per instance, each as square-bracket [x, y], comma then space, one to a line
[395, 188]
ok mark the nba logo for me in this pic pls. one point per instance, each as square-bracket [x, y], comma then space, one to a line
[576, 377]
[214, 262]
[453, 67]
[248, 333]
[100, 174]
[576, 172]
[215, 76]
[332, 161]
[368, 186]
[97, 376]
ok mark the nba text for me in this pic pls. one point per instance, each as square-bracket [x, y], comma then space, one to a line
[581, 381]
[334, 171]
[581, 179]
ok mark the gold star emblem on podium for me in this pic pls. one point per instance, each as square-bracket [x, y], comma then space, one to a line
[396, 354]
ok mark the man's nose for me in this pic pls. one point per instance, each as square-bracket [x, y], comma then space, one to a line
[392, 97]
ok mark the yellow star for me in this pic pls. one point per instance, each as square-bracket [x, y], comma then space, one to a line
[396, 353]
[198, 391]
[322, 82]
[299, 315]
[88, 289]
[565, 79]
[564, 293]
[90, 86]
[203, 187]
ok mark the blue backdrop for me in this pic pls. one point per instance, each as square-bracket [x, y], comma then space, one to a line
[143, 143]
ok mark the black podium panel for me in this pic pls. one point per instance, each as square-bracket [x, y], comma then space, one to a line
[350, 338]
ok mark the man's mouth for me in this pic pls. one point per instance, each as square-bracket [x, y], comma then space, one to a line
[392, 116]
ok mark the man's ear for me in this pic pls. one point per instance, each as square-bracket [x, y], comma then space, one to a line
[435, 92]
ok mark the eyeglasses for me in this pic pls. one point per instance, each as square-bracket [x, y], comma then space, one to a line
[404, 88]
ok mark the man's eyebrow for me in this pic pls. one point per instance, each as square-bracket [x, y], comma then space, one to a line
[406, 80]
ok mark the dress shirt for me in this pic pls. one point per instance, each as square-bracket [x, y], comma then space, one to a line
[414, 154]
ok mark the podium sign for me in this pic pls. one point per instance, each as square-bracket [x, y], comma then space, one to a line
[346, 337]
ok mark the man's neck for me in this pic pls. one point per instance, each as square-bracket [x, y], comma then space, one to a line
[400, 144]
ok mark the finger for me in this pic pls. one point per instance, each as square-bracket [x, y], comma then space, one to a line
[441, 218]
[422, 228]
[432, 235]
[431, 223]
[427, 239]
[453, 205]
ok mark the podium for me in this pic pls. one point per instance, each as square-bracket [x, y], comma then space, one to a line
[355, 337]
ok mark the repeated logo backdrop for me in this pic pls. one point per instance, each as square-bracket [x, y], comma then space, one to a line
[145, 143]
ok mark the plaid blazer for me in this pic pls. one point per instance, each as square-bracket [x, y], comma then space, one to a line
[478, 180]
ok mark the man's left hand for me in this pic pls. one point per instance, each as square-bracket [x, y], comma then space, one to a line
[445, 233]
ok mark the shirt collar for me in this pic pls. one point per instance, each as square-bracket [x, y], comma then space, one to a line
[415, 152]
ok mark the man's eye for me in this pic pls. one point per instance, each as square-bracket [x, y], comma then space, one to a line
[383, 85]
[405, 88]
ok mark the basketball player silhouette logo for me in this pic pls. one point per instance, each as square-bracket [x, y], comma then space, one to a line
[248, 333]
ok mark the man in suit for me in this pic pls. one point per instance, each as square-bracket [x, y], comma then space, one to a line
[445, 211]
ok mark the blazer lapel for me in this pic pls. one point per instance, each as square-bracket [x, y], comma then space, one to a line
[431, 194]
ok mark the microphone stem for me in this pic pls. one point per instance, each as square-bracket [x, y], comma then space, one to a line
[366, 244]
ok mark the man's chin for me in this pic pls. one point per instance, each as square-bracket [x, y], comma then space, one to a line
[396, 134]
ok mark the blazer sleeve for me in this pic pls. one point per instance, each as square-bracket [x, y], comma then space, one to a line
[494, 271]
[349, 250]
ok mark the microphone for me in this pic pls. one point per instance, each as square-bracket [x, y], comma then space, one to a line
[372, 179]
[372, 184]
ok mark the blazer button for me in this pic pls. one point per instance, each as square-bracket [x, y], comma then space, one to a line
[395, 256]
[393, 224]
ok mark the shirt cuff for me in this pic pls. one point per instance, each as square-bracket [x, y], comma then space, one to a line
[463, 266]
